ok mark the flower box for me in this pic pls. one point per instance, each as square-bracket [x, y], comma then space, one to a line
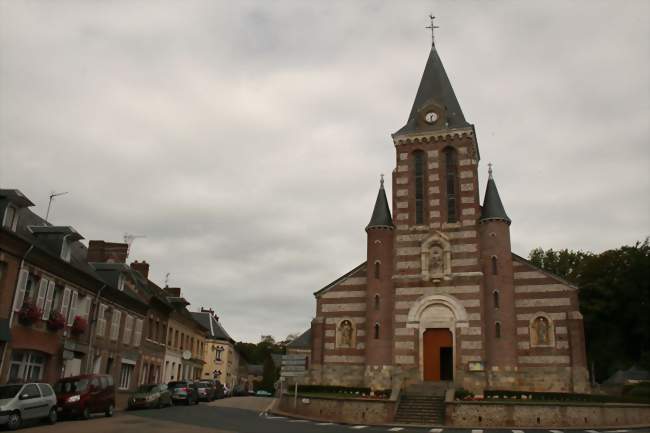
[29, 314]
[78, 326]
[56, 321]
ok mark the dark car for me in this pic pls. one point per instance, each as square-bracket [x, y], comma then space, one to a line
[184, 391]
[206, 390]
[81, 396]
[239, 390]
[149, 396]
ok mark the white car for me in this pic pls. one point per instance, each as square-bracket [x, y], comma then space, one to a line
[19, 402]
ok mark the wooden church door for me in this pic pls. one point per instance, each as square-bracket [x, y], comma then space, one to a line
[438, 356]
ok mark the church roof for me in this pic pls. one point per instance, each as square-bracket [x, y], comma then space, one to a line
[301, 342]
[435, 89]
[381, 214]
[492, 207]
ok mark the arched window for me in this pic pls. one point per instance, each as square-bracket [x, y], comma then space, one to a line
[451, 175]
[495, 297]
[377, 330]
[377, 269]
[497, 330]
[376, 302]
[495, 268]
[418, 159]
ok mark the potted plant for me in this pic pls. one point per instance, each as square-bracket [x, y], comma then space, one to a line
[79, 325]
[29, 313]
[56, 321]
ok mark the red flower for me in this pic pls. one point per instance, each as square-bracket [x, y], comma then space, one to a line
[56, 321]
[29, 313]
[79, 325]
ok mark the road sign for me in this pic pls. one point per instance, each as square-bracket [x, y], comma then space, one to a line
[293, 365]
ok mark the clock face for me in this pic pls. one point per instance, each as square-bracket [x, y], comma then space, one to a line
[431, 117]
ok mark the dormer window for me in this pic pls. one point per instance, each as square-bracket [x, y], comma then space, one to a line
[120, 283]
[10, 220]
[65, 250]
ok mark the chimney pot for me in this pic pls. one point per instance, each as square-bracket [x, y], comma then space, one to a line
[142, 267]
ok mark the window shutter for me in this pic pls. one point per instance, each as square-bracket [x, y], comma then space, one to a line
[101, 320]
[138, 332]
[115, 324]
[42, 291]
[47, 309]
[72, 313]
[128, 329]
[65, 301]
[84, 311]
[20, 289]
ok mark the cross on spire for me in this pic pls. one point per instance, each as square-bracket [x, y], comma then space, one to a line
[381, 179]
[432, 28]
[489, 170]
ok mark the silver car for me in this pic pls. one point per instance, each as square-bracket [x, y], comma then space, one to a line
[20, 402]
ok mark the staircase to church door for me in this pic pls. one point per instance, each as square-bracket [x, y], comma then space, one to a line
[422, 404]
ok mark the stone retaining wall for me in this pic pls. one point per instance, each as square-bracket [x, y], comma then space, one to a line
[353, 411]
[526, 414]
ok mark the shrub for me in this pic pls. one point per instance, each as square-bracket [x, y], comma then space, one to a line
[462, 394]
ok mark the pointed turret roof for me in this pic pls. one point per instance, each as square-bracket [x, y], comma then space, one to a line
[435, 90]
[381, 214]
[492, 207]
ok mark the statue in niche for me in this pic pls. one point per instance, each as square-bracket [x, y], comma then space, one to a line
[437, 260]
[346, 333]
[541, 328]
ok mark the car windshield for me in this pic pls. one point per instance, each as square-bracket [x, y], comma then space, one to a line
[204, 385]
[177, 384]
[9, 391]
[66, 386]
[145, 388]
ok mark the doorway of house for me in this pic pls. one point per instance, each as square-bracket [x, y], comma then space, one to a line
[438, 354]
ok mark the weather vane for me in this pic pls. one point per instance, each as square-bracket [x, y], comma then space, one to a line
[432, 28]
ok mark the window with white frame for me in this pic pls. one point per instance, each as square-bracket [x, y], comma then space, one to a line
[26, 366]
[125, 376]
[49, 299]
[128, 329]
[10, 220]
[21, 288]
[219, 351]
[115, 324]
[66, 249]
[101, 320]
[120, 283]
[65, 301]
[41, 293]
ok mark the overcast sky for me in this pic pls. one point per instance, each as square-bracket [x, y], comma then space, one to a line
[246, 139]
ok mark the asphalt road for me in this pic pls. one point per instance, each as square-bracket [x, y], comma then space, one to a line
[206, 418]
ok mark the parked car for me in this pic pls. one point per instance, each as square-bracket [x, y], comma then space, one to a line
[239, 390]
[263, 393]
[149, 396]
[184, 391]
[81, 396]
[20, 402]
[206, 390]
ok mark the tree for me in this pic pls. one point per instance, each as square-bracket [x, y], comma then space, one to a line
[614, 300]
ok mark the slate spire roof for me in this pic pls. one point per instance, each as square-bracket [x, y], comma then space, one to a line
[381, 214]
[492, 207]
[435, 89]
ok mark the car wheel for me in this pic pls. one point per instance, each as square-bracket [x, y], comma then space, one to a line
[109, 412]
[52, 417]
[14, 421]
[86, 413]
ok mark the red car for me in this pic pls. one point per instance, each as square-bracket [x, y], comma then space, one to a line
[81, 396]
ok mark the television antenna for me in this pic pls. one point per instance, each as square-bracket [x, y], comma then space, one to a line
[49, 205]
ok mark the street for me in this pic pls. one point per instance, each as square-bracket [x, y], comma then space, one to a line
[243, 415]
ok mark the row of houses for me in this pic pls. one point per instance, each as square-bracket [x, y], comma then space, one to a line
[67, 309]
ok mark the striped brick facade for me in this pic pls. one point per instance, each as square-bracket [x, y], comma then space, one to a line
[512, 326]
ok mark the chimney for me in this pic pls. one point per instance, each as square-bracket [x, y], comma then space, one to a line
[142, 267]
[173, 291]
[107, 252]
[207, 310]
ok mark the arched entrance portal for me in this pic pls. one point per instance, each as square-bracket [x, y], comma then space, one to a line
[437, 317]
[438, 355]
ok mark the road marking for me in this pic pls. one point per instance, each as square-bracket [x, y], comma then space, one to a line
[435, 430]
[324, 423]
[556, 431]
[396, 429]
[477, 431]
[298, 420]
[517, 431]
[359, 427]
[276, 417]
[592, 431]
[617, 431]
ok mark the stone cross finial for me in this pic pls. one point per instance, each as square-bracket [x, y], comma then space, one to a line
[490, 170]
[433, 28]
[381, 180]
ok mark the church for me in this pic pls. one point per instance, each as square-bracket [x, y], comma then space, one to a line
[440, 296]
